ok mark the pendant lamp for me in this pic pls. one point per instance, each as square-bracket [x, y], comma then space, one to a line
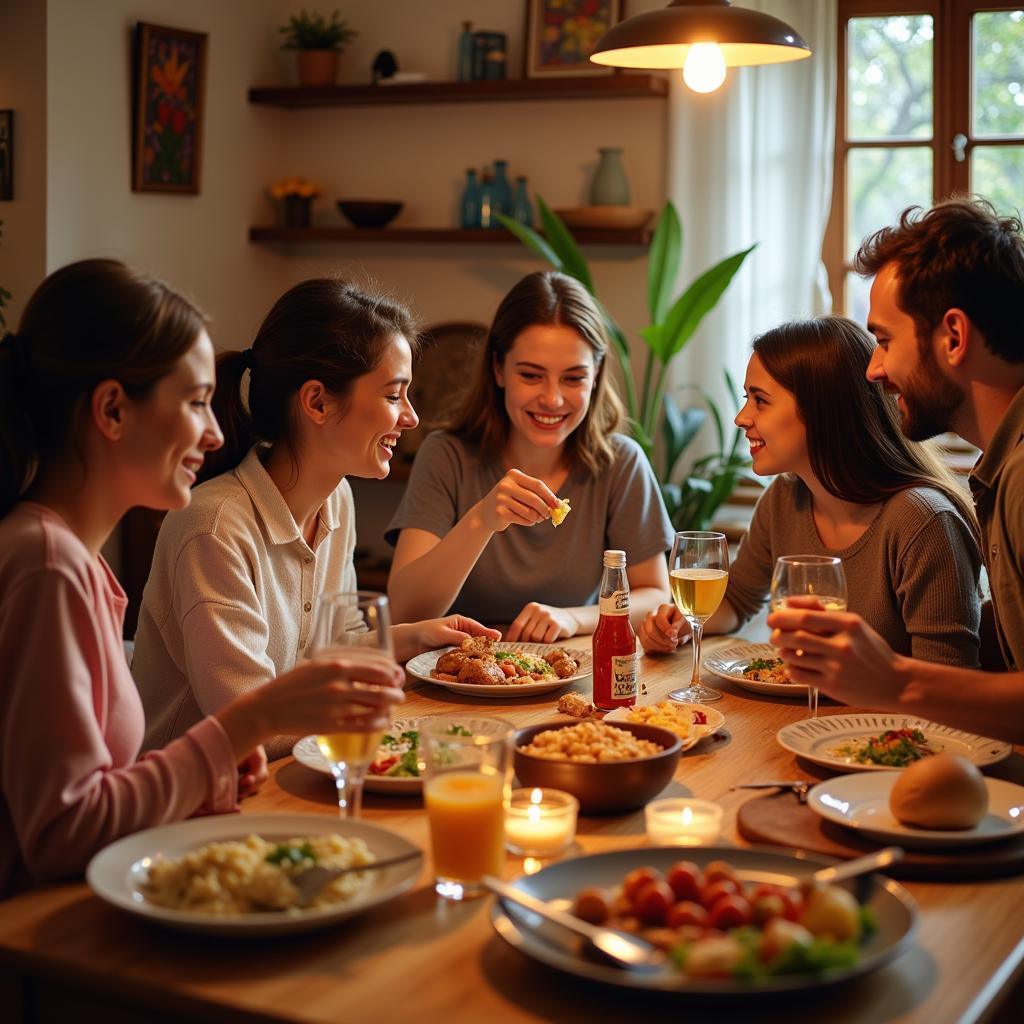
[703, 37]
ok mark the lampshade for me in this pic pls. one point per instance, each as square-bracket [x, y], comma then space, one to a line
[663, 39]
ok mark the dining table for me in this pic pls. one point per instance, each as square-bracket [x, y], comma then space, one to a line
[67, 955]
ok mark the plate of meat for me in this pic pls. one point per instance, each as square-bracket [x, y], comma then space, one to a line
[483, 667]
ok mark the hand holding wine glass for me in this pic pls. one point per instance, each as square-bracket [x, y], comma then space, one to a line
[816, 576]
[355, 626]
[698, 571]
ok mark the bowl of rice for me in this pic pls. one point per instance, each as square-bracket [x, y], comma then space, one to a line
[610, 769]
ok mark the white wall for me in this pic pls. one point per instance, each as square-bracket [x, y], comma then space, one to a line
[23, 89]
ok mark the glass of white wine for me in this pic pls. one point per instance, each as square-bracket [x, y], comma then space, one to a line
[698, 573]
[354, 625]
[817, 576]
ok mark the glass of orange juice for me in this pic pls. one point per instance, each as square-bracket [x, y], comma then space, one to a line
[466, 780]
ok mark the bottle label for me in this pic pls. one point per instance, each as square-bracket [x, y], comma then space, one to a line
[615, 604]
[624, 673]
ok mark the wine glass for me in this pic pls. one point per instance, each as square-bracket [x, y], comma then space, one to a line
[698, 572]
[354, 625]
[817, 576]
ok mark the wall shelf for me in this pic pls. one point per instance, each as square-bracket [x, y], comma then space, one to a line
[441, 236]
[632, 86]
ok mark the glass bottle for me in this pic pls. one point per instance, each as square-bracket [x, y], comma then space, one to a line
[614, 643]
[522, 209]
[488, 206]
[469, 214]
[502, 189]
[466, 52]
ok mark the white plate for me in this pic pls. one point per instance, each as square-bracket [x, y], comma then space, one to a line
[731, 662]
[117, 874]
[893, 907]
[817, 739]
[422, 664]
[861, 802]
[307, 753]
[715, 720]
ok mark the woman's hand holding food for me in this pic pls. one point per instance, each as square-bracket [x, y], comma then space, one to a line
[450, 631]
[315, 696]
[542, 624]
[516, 500]
[663, 630]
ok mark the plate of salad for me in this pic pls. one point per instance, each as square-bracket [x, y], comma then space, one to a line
[854, 743]
[395, 767]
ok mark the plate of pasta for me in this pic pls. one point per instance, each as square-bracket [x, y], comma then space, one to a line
[229, 874]
[482, 667]
[690, 722]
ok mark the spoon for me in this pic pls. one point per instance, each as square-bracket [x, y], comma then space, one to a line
[621, 948]
[311, 882]
[858, 866]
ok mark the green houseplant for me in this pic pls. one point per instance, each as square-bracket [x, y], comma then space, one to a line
[318, 43]
[693, 497]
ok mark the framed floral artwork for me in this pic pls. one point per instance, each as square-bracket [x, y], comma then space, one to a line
[561, 35]
[169, 75]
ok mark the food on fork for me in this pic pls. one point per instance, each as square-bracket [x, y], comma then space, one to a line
[573, 704]
[479, 662]
[941, 792]
[560, 511]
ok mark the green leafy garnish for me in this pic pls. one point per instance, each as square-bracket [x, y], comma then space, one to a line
[761, 664]
[458, 730]
[286, 853]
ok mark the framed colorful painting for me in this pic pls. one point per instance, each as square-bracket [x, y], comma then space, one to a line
[561, 35]
[170, 72]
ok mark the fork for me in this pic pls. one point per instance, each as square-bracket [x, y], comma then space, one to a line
[797, 786]
[310, 883]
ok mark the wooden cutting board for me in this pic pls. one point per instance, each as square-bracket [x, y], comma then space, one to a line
[779, 819]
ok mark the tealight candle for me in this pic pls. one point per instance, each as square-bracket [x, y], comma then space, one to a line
[683, 822]
[540, 822]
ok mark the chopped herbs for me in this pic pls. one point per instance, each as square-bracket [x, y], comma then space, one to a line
[285, 853]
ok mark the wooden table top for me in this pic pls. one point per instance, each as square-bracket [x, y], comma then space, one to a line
[435, 961]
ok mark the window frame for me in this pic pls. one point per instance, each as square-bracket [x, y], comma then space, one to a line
[951, 113]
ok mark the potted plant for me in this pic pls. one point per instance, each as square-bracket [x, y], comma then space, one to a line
[318, 43]
[298, 195]
[693, 497]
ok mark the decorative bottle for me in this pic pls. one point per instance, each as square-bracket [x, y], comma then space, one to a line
[470, 209]
[614, 642]
[522, 209]
[466, 52]
[488, 207]
[502, 189]
[609, 187]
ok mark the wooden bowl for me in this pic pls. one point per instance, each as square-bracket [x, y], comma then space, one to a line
[370, 213]
[613, 787]
[622, 217]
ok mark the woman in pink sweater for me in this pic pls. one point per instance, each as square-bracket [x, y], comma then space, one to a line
[104, 405]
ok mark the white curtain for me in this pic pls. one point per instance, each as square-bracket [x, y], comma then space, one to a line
[753, 163]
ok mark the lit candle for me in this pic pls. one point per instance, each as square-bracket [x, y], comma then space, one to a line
[540, 822]
[683, 822]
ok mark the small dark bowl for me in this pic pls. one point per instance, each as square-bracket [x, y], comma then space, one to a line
[610, 788]
[369, 213]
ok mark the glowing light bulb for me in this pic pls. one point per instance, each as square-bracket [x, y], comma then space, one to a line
[704, 70]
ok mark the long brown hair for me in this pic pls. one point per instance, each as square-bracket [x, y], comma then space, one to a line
[550, 298]
[854, 441]
[322, 329]
[90, 321]
[960, 254]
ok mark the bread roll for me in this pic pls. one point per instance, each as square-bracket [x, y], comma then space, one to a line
[945, 791]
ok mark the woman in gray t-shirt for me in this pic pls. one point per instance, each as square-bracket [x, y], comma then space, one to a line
[848, 484]
[474, 530]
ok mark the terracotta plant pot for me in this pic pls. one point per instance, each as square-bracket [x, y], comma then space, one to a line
[317, 67]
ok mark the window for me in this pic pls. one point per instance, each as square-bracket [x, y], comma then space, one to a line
[930, 103]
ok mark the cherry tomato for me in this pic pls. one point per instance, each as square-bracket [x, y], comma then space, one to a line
[685, 880]
[714, 891]
[730, 912]
[636, 880]
[720, 869]
[592, 905]
[767, 906]
[794, 900]
[686, 912]
[651, 903]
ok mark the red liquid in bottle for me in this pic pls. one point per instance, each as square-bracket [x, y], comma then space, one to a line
[614, 642]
